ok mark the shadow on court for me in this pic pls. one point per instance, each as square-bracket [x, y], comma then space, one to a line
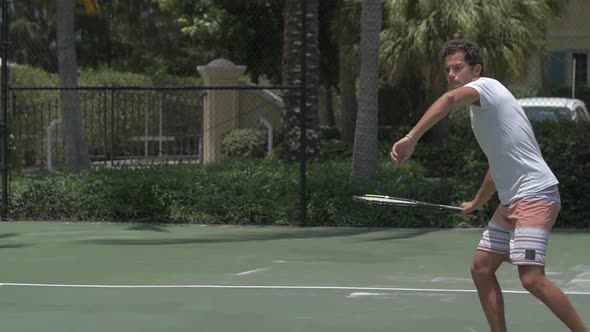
[240, 237]
[6, 235]
[14, 246]
[148, 227]
[398, 236]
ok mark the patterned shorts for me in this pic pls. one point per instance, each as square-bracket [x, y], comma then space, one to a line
[521, 231]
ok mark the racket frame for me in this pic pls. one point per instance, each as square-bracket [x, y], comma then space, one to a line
[403, 202]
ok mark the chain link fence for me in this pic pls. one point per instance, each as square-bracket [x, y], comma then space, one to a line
[155, 44]
[138, 83]
[156, 82]
[139, 92]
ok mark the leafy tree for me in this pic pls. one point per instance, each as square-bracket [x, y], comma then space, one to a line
[32, 32]
[245, 32]
[136, 36]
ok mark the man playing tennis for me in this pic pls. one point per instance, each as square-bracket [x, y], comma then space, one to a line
[529, 197]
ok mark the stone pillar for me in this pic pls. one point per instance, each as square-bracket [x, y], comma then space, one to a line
[220, 110]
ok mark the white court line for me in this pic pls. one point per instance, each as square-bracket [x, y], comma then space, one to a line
[252, 271]
[348, 288]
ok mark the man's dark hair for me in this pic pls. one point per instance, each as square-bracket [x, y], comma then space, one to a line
[473, 53]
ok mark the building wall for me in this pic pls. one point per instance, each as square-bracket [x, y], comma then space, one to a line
[259, 103]
[567, 36]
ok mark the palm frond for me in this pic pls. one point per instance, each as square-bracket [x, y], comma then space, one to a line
[507, 30]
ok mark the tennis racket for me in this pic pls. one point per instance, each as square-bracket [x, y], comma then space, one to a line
[403, 202]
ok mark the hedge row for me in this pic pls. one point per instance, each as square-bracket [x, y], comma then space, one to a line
[266, 191]
[261, 192]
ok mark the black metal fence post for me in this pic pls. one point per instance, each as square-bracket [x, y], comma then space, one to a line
[4, 134]
[303, 159]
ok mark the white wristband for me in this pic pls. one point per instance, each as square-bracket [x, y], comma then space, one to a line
[412, 139]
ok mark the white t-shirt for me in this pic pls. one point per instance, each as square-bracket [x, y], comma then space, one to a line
[506, 136]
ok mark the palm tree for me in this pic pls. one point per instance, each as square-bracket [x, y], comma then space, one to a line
[77, 158]
[364, 159]
[292, 75]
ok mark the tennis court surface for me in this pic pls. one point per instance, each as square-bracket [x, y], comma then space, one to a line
[103, 277]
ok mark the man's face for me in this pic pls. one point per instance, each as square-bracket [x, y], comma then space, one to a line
[458, 71]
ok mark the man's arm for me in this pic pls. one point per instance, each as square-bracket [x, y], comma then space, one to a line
[459, 97]
[485, 192]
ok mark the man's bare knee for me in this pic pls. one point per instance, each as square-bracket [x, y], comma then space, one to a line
[531, 277]
[484, 265]
[481, 271]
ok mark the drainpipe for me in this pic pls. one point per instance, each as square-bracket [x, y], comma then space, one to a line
[268, 126]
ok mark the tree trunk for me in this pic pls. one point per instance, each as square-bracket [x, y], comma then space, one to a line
[76, 151]
[292, 77]
[439, 134]
[327, 113]
[348, 102]
[365, 152]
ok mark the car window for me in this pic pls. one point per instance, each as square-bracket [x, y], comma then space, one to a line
[547, 113]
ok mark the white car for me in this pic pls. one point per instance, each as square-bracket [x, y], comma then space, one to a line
[552, 108]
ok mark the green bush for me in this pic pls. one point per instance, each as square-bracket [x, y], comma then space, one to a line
[335, 149]
[261, 192]
[109, 77]
[566, 148]
[266, 191]
[244, 143]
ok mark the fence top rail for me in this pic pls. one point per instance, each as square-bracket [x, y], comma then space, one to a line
[156, 88]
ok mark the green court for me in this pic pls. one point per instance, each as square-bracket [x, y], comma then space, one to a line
[104, 277]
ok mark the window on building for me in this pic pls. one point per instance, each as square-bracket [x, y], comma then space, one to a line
[561, 68]
[557, 67]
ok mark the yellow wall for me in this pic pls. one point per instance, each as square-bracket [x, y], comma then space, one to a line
[571, 31]
[255, 103]
[226, 110]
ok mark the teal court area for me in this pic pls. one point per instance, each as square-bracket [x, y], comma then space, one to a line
[101, 277]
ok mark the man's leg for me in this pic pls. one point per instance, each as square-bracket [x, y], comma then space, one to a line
[534, 280]
[483, 272]
[535, 218]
